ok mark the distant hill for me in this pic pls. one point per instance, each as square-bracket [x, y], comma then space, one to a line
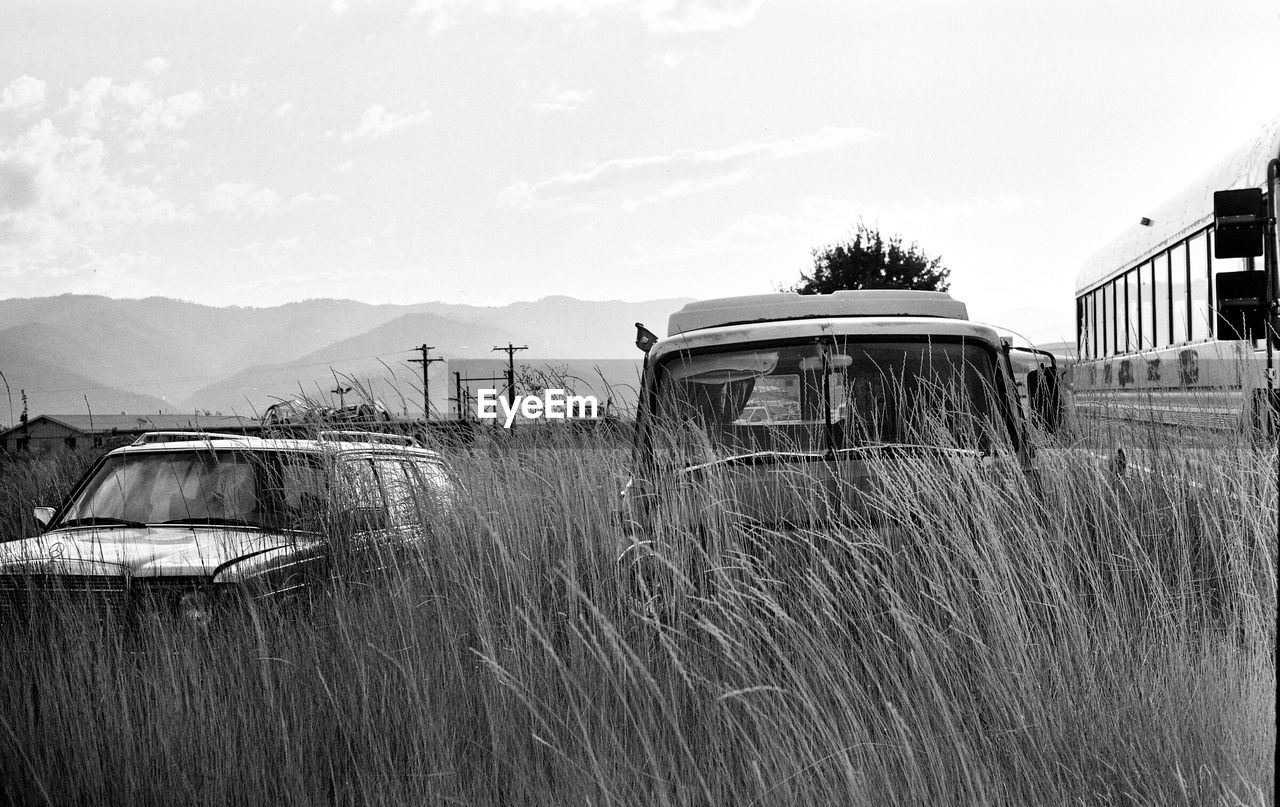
[157, 353]
[362, 362]
[51, 388]
[168, 348]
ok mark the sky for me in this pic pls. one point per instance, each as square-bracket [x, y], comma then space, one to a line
[487, 152]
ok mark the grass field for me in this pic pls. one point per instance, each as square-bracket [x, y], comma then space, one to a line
[1073, 639]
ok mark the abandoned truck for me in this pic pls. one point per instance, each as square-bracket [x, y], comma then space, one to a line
[782, 410]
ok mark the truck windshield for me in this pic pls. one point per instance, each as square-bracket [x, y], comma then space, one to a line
[268, 490]
[816, 398]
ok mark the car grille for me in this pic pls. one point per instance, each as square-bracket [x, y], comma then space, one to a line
[26, 599]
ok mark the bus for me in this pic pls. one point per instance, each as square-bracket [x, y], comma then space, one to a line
[1165, 333]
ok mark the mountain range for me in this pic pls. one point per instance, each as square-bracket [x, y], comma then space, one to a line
[75, 353]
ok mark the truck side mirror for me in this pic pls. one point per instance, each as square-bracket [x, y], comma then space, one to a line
[1242, 304]
[1043, 395]
[1045, 398]
[645, 338]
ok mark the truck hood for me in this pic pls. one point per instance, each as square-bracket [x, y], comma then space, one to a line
[178, 551]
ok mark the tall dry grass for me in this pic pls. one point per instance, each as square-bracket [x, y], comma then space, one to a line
[975, 636]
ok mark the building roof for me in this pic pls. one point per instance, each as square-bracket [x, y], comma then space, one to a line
[102, 424]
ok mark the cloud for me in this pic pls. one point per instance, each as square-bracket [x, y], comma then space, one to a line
[684, 163]
[659, 16]
[156, 116]
[243, 199]
[233, 92]
[302, 199]
[156, 65]
[284, 110]
[687, 187]
[24, 94]
[557, 100]
[378, 122]
[56, 189]
[667, 59]
[87, 103]
[688, 16]
[18, 189]
[131, 111]
[435, 10]
[240, 199]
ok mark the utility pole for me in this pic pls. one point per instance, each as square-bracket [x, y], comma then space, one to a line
[457, 396]
[8, 395]
[510, 350]
[425, 361]
[341, 392]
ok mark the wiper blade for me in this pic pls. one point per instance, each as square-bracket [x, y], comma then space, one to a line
[99, 521]
[227, 522]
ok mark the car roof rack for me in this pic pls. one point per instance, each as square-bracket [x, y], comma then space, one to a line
[149, 438]
[350, 436]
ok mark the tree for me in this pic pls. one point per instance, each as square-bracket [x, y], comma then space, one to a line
[870, 261]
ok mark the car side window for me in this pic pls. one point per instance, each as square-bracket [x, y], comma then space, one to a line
[403, 494]
[358, 485]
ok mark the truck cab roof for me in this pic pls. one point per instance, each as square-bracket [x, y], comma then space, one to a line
[790, 305]
[891, 314]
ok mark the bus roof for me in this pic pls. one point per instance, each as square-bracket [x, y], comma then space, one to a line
[1188, 211]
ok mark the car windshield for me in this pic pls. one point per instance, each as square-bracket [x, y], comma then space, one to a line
[826, 397]
[271, 490]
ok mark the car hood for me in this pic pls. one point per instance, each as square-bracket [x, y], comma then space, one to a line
[179, 551]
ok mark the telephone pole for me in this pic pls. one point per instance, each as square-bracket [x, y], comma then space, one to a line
[425, 361]
[9, 396]
[510, 350]
[341, 392]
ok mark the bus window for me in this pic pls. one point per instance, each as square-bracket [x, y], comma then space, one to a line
[1094, 319]
[1131, 311]
[1080, 332]
[1178, 293]
[1198, 269]
[1160, 300]
[1117, 295]
[1146, 334]
[1108, 321]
